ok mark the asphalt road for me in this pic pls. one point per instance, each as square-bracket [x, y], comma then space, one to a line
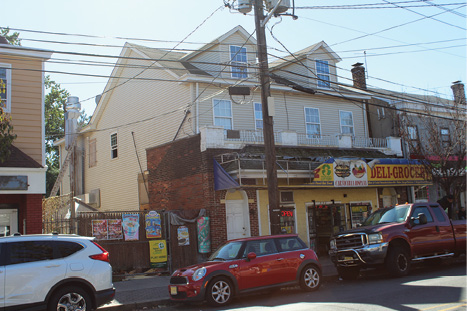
[433, 287]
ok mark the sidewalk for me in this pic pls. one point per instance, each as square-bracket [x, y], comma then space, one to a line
[145, 292]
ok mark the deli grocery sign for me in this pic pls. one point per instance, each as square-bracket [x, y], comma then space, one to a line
[378, 172]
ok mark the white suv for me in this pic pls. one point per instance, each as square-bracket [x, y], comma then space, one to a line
[57, 272]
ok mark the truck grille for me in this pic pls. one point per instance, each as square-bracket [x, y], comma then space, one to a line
[178, 280]
[350, 241]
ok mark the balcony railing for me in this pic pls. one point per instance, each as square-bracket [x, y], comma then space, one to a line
[256, 137]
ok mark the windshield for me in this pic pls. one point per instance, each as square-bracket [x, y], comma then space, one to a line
[386, 215]
[227, 251]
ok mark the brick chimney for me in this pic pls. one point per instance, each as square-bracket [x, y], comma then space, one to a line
[459, 92]
[358, 76]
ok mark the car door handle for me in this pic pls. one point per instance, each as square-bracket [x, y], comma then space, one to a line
[437, 228]
[280, 259]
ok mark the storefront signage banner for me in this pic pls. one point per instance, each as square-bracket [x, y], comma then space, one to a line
[158, 253]
[357, 173]
[153, 225]
[131, 226]
[204, 236]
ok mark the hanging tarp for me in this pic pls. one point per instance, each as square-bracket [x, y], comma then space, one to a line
[342, 172]
[222, 180]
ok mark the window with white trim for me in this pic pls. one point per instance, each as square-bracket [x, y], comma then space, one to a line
[412, 132]
[258, 116]
[346, 119]
[5, 87]
[239, 62]
[445, 137]
[223, 113]
[312, 123]
[323, 74]
[113, 146]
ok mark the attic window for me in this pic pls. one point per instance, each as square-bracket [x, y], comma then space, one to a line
[238, 61]
[322, 70]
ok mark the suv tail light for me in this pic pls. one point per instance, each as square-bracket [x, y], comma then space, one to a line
[104, 256]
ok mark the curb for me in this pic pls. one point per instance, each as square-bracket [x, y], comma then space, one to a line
[167, 301]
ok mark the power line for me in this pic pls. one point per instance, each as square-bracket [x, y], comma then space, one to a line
[369, 6]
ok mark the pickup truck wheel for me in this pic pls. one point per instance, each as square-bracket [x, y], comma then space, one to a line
[348, 273]
[219, 292]
[398, 261]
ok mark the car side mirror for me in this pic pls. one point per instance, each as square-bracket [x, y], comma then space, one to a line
[251, 256]
[422, 218]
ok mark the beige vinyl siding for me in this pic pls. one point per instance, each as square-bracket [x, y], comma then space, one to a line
[209, 61]
[26, 104]
[153, 111]
[289, 112]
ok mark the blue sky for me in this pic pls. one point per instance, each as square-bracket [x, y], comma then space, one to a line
[417, 49]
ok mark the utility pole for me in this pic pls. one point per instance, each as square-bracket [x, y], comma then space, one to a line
[268, 125]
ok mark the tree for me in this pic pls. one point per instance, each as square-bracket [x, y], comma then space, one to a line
[13, 39]
[438, 139]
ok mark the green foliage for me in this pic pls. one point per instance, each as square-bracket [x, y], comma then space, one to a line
[6, 136]
[13, 39]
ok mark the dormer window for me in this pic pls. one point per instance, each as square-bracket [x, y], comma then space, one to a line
[322, 71]
[238, 60]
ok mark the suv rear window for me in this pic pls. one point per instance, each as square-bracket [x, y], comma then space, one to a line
[66, 248]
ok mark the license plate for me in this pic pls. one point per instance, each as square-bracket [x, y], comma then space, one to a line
[173, 290]
[348, 258]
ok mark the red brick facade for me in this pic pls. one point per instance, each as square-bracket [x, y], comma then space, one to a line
[181, 177]
[29, 209]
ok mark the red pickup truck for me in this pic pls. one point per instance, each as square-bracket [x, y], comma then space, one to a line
[395, 237]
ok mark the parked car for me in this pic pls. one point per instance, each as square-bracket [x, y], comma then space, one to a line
[246, 265]
[54, 271]
[397, 236]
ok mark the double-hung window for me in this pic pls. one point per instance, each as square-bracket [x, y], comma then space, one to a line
[312, 123]
[346, 120]
[113, 146]
[445, 137]
[5, 87]
[322, 71]
[223, 113]
[412, 133]
[238, 61]
[258, 116]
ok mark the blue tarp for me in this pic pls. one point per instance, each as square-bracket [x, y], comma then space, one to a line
[222, 180]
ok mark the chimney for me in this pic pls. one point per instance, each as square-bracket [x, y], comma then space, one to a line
[358, 76]
[459, 92]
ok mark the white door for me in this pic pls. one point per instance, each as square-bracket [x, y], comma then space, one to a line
[8, 221]
[238, 225]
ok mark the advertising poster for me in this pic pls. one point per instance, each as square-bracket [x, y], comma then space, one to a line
[158, 253]
[99, 229]
[114, 229]
[153, 225]
[130, 226]
[204, 236]
[183, 236]
[350, 173]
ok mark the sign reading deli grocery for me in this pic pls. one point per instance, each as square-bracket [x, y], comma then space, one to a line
[377, 173]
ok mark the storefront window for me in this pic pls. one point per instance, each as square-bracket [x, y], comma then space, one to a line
[287, 219]
[359, 212]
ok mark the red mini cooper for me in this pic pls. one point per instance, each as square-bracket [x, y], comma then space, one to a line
[245, 265]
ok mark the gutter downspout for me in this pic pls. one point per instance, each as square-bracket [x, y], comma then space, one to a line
[197, 107]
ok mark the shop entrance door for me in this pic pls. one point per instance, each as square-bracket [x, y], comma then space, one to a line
[8, 221]
[324, 220]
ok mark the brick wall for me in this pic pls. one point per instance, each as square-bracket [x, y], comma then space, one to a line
[29, 207]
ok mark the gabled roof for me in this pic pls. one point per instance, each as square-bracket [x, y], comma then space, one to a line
[19, 159]
[238, 29]
[287, 60]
